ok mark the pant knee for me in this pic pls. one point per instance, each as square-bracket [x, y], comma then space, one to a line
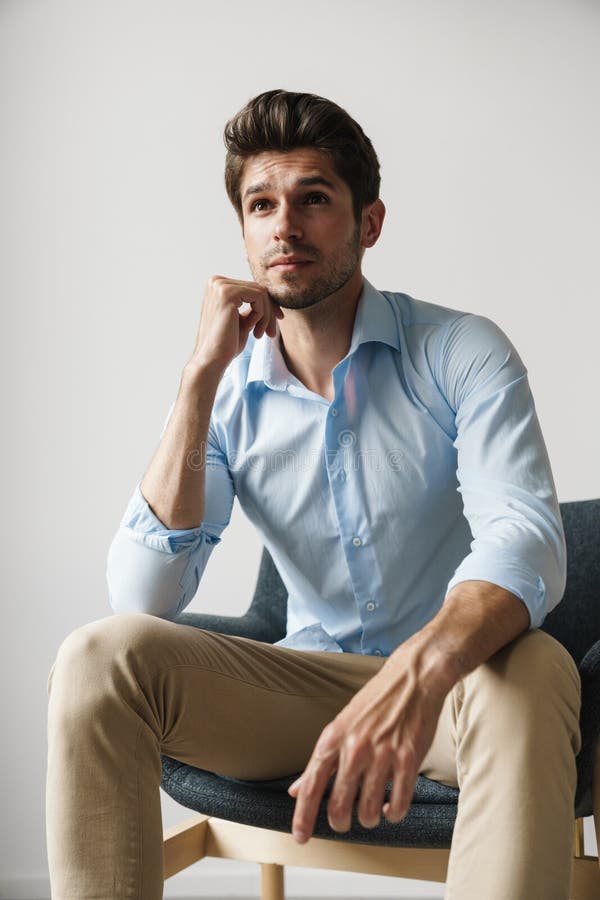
[530, 680]
[114, 634]
[538, 660]
[95, 657]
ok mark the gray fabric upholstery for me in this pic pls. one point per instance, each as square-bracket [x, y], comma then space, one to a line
[575, 622]
[589, 722]
[267, 805]
[430, 821]
[265, 619]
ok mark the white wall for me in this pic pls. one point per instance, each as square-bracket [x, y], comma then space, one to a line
[113, 214]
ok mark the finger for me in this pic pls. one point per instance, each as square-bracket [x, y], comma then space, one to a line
[339, 808]
[308, 801]
[248, 314]
[255, 299]
[355, 760]
[403, 788]
[272, 326]
[313, 781]
[295, 785]
[268, 311]
[260, 328]
[247, 292]
[268, 322]
[372, 794]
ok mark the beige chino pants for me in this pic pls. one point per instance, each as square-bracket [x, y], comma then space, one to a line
[129, 687]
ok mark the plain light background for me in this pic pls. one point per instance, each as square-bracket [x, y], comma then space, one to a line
[113, 215]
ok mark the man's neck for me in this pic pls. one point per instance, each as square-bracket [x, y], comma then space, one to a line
[314, 340]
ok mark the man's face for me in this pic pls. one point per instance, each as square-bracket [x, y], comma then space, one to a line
[294, 205]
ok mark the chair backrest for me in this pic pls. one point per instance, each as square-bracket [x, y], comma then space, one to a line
[269, 602]
[575, 622]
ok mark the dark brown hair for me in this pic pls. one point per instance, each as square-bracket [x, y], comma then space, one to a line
[284, 120]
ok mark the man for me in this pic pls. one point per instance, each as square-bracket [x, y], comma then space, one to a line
[388, 452]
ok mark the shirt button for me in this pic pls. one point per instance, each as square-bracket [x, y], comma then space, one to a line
[356, 541]
[377, 653]
[334, 411]
[370, 606]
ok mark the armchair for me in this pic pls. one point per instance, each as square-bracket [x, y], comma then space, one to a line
[248, 820]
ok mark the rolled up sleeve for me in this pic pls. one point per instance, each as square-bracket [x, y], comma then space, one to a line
[157, 570]
[503, 469]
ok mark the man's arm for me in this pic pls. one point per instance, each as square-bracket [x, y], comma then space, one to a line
[503, 469]
[174, 483]
[176, 515]
[154, 566]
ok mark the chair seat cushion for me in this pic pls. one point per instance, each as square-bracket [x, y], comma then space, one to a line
[266, 804]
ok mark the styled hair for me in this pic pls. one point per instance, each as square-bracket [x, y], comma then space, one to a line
[285, 120]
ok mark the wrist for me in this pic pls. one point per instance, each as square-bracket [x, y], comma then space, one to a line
[431, 661]
[196, 374]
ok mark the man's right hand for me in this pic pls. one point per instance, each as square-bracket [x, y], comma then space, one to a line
[223, 330]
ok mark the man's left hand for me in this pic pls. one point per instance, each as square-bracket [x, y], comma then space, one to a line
[382, 735]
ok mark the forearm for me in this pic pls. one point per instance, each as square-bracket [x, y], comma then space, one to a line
[174, 483]
[475, 621]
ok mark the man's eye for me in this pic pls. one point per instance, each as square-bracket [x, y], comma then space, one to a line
[256, 206]
[256, 203]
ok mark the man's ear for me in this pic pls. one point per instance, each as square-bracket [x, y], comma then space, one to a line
[372, 222]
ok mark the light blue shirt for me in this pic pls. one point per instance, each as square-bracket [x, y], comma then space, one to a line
[428, 468]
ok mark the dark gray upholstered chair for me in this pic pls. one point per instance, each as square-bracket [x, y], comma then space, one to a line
[252, 820]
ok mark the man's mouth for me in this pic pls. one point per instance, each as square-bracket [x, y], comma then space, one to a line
[290, 267]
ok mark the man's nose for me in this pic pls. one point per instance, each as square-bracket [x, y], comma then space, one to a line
[286, 224]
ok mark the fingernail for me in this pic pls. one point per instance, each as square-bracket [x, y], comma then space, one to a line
[299, 836]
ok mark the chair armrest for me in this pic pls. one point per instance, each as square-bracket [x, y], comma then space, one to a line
[250, 625]
[589, 672]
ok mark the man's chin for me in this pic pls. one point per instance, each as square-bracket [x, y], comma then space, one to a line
[292, 301]
[286, 296]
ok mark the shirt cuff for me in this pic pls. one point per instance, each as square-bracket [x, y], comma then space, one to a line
[145, 528]
[511, 575]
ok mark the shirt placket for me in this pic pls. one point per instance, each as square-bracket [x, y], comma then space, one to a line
[341, 447]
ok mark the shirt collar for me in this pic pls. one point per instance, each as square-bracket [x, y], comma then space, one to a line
[374, 321]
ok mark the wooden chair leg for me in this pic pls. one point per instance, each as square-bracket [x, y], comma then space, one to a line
[272, 887]
[579, 848]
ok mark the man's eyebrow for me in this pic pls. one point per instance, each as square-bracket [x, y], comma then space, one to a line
[302, 182]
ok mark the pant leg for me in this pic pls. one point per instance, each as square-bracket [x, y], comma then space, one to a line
[508, 736]
[129, 687]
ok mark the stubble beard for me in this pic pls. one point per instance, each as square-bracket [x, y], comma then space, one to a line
[291, 293]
